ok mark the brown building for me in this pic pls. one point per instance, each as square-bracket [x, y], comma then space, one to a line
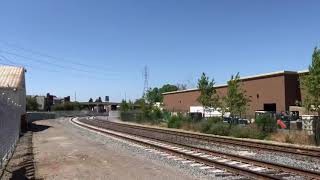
[270, 92]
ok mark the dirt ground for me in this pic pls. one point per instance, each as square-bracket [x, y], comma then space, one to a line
[21, 164]
[61, 153]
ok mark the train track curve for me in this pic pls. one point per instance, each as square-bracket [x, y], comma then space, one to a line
[232, 163]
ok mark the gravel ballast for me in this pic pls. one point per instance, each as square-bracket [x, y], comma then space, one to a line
[299, 161]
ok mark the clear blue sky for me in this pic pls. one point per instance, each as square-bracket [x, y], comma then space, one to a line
[176, 39]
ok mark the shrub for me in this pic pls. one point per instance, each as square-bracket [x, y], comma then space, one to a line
[166, 115]
[206, 124]
[32, 104]
[175, 121]
[68, 106]
[134, 116]
[220, 128]
[156, 116]
[266, 123]
[250, 131]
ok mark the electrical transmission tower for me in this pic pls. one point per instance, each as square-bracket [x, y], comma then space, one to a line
[146, 80]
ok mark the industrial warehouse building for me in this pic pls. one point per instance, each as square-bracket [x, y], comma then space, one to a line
[269, 92]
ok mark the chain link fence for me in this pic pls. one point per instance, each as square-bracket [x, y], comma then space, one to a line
[10, 119]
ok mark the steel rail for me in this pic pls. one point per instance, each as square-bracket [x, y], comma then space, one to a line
[285, 168]
[239, 142]
[230, 168]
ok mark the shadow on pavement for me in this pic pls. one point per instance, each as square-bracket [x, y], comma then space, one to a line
[37, 127]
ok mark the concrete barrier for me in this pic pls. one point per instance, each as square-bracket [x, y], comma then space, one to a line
[36, 116]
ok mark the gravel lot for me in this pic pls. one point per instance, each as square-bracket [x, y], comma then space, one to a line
[66, 151]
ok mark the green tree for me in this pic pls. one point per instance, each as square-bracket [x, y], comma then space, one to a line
[208, 95]
[235, 101]
[155, 95]
[32, 104]
[168, 88]
[181, 86]
[124, 106]
[68, 106]
[311, 84]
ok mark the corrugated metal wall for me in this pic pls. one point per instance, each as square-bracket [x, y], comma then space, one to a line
[10, 119]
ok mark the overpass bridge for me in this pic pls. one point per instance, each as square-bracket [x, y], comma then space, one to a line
[101, 106]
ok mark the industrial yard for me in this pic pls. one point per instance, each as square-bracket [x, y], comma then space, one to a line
[67, 148]
[160, 90]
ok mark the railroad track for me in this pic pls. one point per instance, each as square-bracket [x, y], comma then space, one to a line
[232, 163]
[291, 149]
[236, 164]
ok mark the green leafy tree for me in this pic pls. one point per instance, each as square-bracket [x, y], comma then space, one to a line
[124, 106]
[68, 106]
[311, 84]
[168, 88]
[155, 95]
[208, 95]
[32, 104]
[181, 86]
[235, 101]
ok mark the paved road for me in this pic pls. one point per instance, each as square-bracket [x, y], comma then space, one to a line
[61, 152]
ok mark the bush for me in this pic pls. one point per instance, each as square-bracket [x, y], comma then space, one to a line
[219, 128]
[250, 131]
[156, 116]
[147, 115]
[166, 115]
[32, 104]
[175, 121]
[206, 124]
[132, 116]
[266, 123]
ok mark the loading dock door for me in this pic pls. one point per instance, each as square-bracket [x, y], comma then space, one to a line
[270, 107]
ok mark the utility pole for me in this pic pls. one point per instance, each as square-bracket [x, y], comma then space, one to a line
[75, 96]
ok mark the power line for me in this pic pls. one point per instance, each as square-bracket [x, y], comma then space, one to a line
[49, 56]
[48, 62]
[12, 63]
[45, 69]
[4, 58]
